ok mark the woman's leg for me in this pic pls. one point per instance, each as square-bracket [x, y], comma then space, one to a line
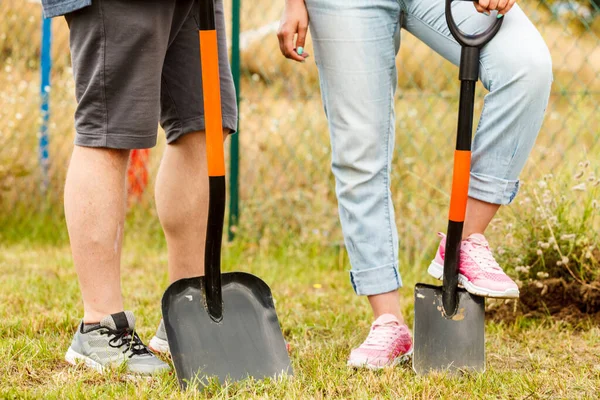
[356, 43]
[517, 70]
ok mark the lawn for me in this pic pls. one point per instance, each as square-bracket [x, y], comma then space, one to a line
[546, 346]
[320, 316]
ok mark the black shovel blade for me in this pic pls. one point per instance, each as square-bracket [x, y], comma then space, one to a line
[246, 342]
[448, 344]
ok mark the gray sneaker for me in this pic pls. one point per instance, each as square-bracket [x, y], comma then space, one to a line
[111, 343]
[159, 343]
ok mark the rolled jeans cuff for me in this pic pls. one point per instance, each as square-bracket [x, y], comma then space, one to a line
[492, 190]
[378, 280]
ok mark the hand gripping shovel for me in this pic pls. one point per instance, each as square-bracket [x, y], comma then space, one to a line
[220, 325]
[449, 322]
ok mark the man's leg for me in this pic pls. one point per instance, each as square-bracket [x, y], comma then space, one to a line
[182, 203]
[95, 212]
[182, 182]
[117, 50]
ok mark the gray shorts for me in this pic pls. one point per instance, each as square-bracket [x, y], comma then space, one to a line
[137, 63]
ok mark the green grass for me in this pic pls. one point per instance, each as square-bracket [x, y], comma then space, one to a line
[320, 316]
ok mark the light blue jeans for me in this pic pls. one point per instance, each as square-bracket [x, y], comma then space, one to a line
[356, 42]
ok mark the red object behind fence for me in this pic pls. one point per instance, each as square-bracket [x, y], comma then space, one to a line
[137, 174]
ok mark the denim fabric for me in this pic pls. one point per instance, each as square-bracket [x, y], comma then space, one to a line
[356, 43]
[54, 8]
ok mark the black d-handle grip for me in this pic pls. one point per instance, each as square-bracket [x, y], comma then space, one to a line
[479, 40]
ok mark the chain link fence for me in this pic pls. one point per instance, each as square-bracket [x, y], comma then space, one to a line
[286, 189]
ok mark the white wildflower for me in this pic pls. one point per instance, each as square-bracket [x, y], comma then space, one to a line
[588, 255]
[551, 240]
[565, 260]
[542, 275]
[539, 284]
[579, 174]
[545, 245]
[559, 263]
[569, 236]
[542, 184]
[591, 178]
[580, 187]
[540, 252]
[523, 269]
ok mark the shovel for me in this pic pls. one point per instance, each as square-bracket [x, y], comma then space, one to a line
[449, 321]
[220, 325]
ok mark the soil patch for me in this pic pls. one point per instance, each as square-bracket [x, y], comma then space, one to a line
[571, 302]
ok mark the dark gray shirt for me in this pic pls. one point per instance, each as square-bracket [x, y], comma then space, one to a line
[53, 8]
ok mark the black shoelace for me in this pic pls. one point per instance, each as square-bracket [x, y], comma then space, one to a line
[130, 339]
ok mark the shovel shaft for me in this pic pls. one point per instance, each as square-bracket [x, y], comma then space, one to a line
[459, 195]
[468, 75]
[215, 156]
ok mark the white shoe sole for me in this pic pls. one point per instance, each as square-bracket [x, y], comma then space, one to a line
[159, 345]
[437, 271]
[73, 357]
[398, 360]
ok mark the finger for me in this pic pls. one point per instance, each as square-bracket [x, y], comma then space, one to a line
[501, 4]
[479, 8]
[286, 43]
[493, 5]
[506, 9]
[290, 50]
[301, 39]
[483, 4]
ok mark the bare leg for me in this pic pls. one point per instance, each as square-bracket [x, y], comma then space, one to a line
[386, 303]
[95, 213]
[182, 204]
[478, 217]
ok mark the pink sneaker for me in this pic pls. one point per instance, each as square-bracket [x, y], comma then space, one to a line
[479, 273]
[389, 343]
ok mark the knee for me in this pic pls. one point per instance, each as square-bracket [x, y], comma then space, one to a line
[538, 71]
[359, 180]
[531, 70]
